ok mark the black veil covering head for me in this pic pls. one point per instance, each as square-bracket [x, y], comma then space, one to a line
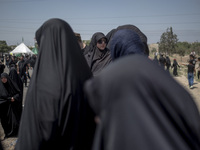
[56, 113]
[11, 85]
[97, 59]
[131, 27]
[16, 78]
[126, 42]
[142, 107]
[95, 38]
[10, 112]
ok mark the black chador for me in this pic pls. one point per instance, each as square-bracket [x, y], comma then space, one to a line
[56, 113]
[138, 110]
[10, 104]
[97, 59]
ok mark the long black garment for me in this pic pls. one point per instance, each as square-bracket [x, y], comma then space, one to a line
[97, 59]
[9, 111]
[139, 110]
[16, 78]
[56, 113]
[175, 66]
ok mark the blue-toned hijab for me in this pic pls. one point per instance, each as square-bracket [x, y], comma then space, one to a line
[126, 42]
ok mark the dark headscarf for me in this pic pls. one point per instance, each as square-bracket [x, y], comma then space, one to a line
[10, 112]
[140, 110]
[97, 59]
[56, 113]
[135, 29]
[7, 89]
[126, 42]
[15, 77]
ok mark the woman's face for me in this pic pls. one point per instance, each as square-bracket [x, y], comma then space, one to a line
[4, 80]
[101, 44]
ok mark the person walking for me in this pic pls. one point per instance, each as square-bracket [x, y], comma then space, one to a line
[162, 61]
[175, 65]
[168, 63]
[22, 70]
[191, 71]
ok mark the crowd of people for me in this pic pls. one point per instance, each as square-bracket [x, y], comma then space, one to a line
[166, 64]
[108, 95]
[11, 95]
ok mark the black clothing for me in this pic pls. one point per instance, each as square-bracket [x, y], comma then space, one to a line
[32, 61]
[155, 60]
[97, 59]
[56, 113]
[162, 61]
[2, 67]
[168, 63]
[109, 36]
[16, 78]
[175, 66]
[139, 110]
[12, 62]
[85, 50]
[1, 148]
[9, 111]
[22, 70]
[190, 68]
[22, 67]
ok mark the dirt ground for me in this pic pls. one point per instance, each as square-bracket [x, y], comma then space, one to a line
[9, 143]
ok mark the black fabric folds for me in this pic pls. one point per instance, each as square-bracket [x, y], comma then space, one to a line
[56, 113]
[10, 112]
[126, 42]
[130, 27]
[142, 107]
[97, 59]
[16, 78]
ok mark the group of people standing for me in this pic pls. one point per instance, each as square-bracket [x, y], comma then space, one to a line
[11, 95]
[165, 63]
[105, 96]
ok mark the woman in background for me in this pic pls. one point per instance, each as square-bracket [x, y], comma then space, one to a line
[175, 65]
[98, 56]
[10, 102]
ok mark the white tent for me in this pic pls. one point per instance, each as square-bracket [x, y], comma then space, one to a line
[22, 48]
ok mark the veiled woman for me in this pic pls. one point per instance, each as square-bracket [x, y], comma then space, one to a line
[98, 56]
[140, 110]
[10, 101]
[56, 113]
[16, 78]
[141, 35]
[137, 108]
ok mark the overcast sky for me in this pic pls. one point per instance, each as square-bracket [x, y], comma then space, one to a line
[21, 18]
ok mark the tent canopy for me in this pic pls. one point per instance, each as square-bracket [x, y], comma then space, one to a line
[35, 50]
[22, 48]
